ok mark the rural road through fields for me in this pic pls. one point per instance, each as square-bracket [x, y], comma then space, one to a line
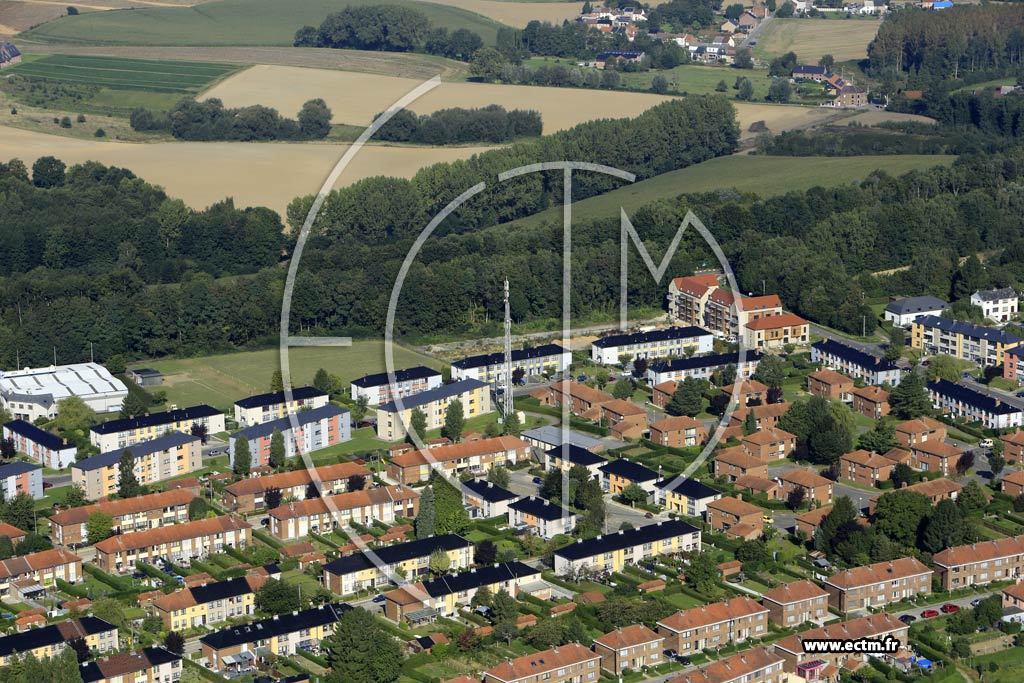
[756, 31]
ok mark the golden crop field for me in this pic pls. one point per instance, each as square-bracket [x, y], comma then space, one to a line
[780, 118]
[269, 174]
[355, 98]
[811, 38]
[518, 14]
[872, 118]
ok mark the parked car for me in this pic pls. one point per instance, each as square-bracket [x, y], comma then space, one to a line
[538, 480]
[671, 654]
[908, 619]
[581, 378]
[767, 519]
[683, 659]
[378, 598]
[985, 443]
[950, 608]
[976, 601]
[929, 613]
[47, 485]
[649, 515]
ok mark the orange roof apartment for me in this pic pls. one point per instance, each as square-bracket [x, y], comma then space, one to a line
[935, 456]
[749, 390]
[735, 462]
[864, 467]
[475, 457]
[570, 663]
[1013, 484]
[678, 432]
[877, 585]
[769, 445]
[874, 627]
[792, 604]
[977, 564]
[871, 402]
[323, 515]
[775, 331]
[248, 494]
[627, 420]
[714, 625]
[817, 489]
[735, 517]
[583, 400]
[128, 515]
[759, 665]
[179, 543]
[630, 647]
[765, 416]
[913, 432]
[42, 569]
[1013, 446]
[934, 490]
[830, 384]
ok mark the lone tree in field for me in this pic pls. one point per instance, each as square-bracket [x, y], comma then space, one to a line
[242, 462]
[454, 421]
[128, 484]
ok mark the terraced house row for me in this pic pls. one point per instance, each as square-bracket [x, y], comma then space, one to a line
[129, 515]
[178, 544]
[208, 603]
[324, 515]
[426, 600]
[714, 625]
[611, 552]
[977, 564]
[25, 576]
[361, 571]
[249, 494]
[475, 457]
[50, 641]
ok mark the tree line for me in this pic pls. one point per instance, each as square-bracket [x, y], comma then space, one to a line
[390, 28]
[457, 125]
[210, 120]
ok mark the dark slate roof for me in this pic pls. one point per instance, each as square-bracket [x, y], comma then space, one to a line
[221, 590]
[627, 469]
[146, 657]
[690, 488]
[488, 491]
[652, 336]
[156, 419]
[996, 294]
[275, 626]
[275, 397]
[538, 507]
[916, 304]
[855, 356]
[442, 392]
[40, 436]
[146, 372]
[474, 578]
[575, 455]
[395, 553]
[973, 398]
[517, 355]
[712, 360]
[52, 634]
[626, 539]
[161, 443]
[381, 378]
[8, 52]
[809, 69]
[17, 467]
[283, 424]
[968, 329]
[625, 55]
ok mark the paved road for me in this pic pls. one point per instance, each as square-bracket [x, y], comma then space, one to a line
[1007, 397]
[755, 32]
[57, 479]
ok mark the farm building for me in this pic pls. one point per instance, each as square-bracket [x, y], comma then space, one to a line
[9, 55]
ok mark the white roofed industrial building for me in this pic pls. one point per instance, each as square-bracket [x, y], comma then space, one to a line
[34, 392]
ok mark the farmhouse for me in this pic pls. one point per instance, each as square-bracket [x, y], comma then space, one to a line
[378, 388]
[179, 543]
[362, 571]
[304, 432]
[611, 552]
[324, 515]
[18, 476]
[475, 457]
[9, 55]
[33, 393]
[161, 458]
[855, 363]
[262, 408]
[119, 434]
[547, 359]
[810, 72]
[393, 420]
[671, 341]
[49, 450]
[127, 515]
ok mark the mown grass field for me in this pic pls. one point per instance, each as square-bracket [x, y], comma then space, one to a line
[811, 38]
[232, 22]
[763, 175]
[126, 74]
[221, 380]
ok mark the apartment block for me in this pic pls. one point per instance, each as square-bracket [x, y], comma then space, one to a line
[570, 663]
[714, 625]
[209, 603]
[120, 434]
[475, 457]
[403, 561]
[974, 406]
[700, 300]
[566, 457]
[866, 468]
[1013, 446]
[770, 444]
[304, 432]
[393, 420]
[774, 332]
[19, 476]
[810, 665]
[663, 343]
[747, 392]
[919, 430]
[688, 497]
[626, 419]
[148, 665]
[262, 408]
[443, 595]
[766, 416]
[323, 515]
[249, 494]
[378, 388]
[735, 462]
[978, 564]
[28, 575]
[611, 552]
[735, 517]
[830, 384]
[816, 489]
[792, 604]
[486, 499]
[50, 641]
[127, 516]
[703, 367]
[161, 458]
[546, 359]
[871, 402]
[180, 543]
[619, 473]
[855, 363]
[876, 585]
[966, 341]
[759, 665]
[39, 445]
[935, 456]
[678, 432]
[630, 647]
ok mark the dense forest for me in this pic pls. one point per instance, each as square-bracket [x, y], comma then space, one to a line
[211, 120]
[493, 123]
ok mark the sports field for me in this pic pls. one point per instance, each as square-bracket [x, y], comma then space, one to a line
[355, 98]
[222, 380]
[764, 175]
[232, 22]
[126, 74]
[811, 38]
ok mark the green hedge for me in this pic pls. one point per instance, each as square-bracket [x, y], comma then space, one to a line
[267, 539]
[77, 591]
[203, 671]
[316, 659]
[150, 570]
[117, 583]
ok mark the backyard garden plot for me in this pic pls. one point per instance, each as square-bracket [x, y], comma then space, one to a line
[127, 74]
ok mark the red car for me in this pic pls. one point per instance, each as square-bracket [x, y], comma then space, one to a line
[929, 613]
[950, 608]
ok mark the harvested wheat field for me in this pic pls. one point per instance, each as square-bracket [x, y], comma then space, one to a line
[811, 38]
[873, 118]
[269, 174]
[355, 98]
[517, 14]
[780, 118]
